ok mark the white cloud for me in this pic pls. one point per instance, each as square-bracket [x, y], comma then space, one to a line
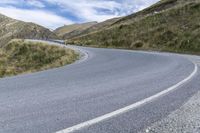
[43, 18]
[35, 3]
[94, 10]
[88, 10]
[83, 10]
[8, 2]
[136, 5]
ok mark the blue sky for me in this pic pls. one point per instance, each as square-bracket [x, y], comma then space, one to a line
[56, 13]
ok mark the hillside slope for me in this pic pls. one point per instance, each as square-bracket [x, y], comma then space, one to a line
[97, 27]
[19, 56]
[11, 28]
[68, 31]
[169, 25]
[77, 30]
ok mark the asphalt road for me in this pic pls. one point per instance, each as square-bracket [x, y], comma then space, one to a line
[104, 81]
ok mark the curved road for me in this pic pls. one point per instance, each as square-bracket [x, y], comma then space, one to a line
[104, 82]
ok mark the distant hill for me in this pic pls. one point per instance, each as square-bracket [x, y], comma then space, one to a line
[11, 28]
[95, 28]
[169, 25]
[77, 30]
[70, 30]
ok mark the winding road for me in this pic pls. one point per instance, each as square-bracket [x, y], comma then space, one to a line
[106, 91]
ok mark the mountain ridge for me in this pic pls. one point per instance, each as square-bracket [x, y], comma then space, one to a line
[11, 28]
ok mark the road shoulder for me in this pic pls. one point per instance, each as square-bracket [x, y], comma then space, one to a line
[186, 119]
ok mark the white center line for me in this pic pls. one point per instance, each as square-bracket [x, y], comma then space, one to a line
[128, 108]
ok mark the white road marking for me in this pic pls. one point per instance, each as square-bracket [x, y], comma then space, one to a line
[128, 108]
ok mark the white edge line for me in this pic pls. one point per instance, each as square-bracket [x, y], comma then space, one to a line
[128, 108]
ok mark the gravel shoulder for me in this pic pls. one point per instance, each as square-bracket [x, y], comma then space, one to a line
[184, 120]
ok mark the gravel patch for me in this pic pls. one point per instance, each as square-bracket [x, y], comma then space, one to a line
[184, 120]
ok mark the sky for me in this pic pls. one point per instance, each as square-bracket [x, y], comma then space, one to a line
[56, 13]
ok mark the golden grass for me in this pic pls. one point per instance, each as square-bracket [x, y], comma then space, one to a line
[20, 56]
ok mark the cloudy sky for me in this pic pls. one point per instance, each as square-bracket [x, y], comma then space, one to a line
[55, 13]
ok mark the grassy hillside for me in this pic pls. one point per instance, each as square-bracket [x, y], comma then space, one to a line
[169, 25]
[69, 31]
[11, 28]
[97, 27]
[76, 30]
[20, 56]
